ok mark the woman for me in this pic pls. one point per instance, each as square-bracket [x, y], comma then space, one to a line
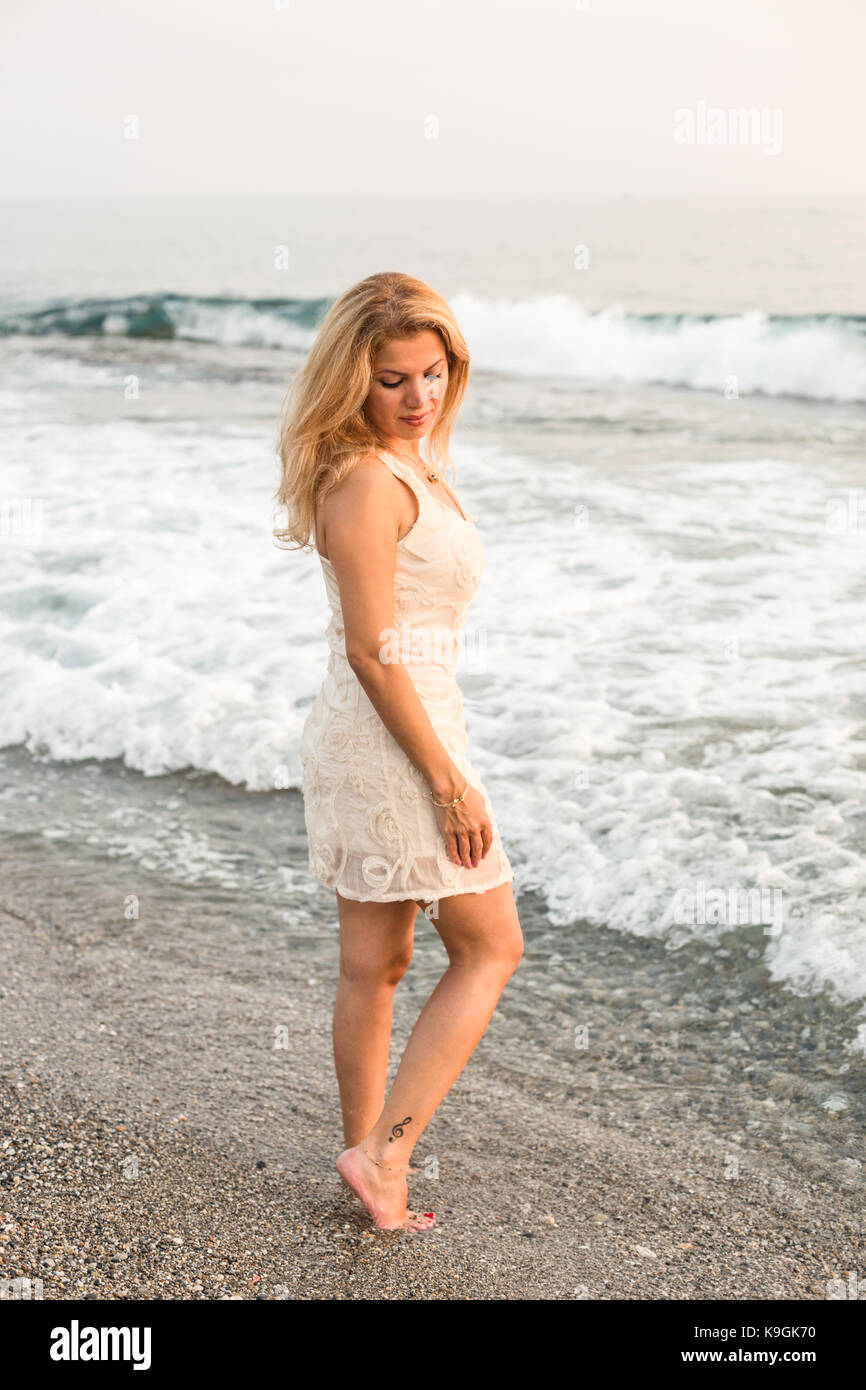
[397, 817]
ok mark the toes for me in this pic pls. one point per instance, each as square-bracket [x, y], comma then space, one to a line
[420, 1221]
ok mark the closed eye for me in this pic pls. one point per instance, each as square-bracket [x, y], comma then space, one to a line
[433, 376]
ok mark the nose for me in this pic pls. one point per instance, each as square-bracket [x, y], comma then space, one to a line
[415, 400]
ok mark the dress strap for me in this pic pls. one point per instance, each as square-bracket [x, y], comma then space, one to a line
[407, 475]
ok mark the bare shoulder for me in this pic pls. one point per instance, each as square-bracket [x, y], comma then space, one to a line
[364, 510]
[369, 479]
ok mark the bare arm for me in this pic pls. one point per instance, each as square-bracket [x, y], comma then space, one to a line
[362, 521]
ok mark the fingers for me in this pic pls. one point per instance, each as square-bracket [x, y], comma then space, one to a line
[469, 843]
[469, 847]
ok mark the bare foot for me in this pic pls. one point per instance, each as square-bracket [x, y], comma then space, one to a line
[411, 1171]
[382, 1192]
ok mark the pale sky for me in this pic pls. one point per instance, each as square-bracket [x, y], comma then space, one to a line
[440, 96]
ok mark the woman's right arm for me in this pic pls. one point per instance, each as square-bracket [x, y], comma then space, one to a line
[362, 522]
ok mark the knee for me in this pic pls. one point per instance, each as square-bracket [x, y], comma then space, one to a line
[396, 967]
[375, 974]
[508, 943]
[512, 952]
[499, 956]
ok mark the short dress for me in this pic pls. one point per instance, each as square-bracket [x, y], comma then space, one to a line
[371, 825]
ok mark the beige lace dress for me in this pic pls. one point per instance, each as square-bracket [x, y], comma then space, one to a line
[371, 826]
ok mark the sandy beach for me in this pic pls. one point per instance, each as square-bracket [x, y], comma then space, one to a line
[170, 1116]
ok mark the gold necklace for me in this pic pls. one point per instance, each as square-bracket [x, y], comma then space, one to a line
[432, 476]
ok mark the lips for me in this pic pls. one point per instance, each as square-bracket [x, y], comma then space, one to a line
[416, 419]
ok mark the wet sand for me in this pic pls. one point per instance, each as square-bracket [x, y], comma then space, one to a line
[170, 1116]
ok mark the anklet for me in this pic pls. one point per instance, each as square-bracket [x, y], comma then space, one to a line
[380, 1164]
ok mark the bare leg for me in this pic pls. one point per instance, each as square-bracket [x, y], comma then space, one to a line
[482, 936]
[376, 942]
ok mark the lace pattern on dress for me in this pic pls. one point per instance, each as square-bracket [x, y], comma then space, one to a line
[371, 825]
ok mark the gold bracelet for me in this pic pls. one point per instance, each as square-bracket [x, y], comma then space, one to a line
[456, 800]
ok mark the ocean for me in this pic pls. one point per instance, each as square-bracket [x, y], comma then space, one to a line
[664, 443]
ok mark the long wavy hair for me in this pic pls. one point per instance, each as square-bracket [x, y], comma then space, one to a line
[324, 430]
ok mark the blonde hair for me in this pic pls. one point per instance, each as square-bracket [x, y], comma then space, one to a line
[324, 430]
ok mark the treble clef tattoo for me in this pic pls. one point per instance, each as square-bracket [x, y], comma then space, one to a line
[397, 1130]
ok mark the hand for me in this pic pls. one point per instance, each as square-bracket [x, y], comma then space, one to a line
[466, 828]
